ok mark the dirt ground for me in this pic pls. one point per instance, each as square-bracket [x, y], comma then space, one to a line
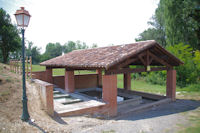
[162, 119]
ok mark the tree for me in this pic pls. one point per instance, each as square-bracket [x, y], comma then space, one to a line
[94, 45]
[34, 52]
[175, 21]
[157, 30]
[182, 23]
[52, 50]
[11, 41]
[70, 46]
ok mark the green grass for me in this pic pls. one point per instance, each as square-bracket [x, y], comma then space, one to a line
[141, 85]
[58, 71]
[138, 85]
[110, 131]
[36, 68]
[194, 125]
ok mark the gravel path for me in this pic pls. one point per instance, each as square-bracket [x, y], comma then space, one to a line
[161, 119]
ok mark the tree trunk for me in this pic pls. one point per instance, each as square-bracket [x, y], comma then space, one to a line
[5, 55]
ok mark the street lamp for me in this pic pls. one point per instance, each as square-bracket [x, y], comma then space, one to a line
[22, 17]
[0, 38]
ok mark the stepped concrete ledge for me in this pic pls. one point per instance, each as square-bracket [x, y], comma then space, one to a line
[78, 105]
[77, 108]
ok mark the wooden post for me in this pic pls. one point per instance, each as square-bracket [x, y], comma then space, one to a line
[99, 78]
[31, 65]
[127, 81]
[20, 66]
[171, 84]
[10, 64]
[15, 66]
[26, 66]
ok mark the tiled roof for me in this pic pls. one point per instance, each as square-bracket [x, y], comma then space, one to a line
[102, 57]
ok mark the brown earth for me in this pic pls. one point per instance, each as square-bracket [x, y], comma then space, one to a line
[11, 109]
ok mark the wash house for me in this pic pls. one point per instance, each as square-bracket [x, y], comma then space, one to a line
[109, 61]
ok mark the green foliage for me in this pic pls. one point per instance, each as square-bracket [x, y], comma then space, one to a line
[192, 88]
[175, 21]
[11, 41]
[94, 45]
[156, 77]
[150, 34]
[158, 31]
[197, 59]
[70, 46]
[52, 50]
[34, 52]
[182, 22]
[189, 72]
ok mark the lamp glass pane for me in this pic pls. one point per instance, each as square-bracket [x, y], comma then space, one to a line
[26, 20]
[19, 19]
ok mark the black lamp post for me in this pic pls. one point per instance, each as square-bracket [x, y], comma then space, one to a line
[22, 16]
[0, 38]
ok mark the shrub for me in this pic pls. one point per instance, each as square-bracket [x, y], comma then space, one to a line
[156, 77]
[187, 74]
[190, 71]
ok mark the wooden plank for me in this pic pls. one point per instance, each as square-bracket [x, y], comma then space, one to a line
[133, 70]
[31, 65]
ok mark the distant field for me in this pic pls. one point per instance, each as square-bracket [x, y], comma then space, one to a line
[138, 85]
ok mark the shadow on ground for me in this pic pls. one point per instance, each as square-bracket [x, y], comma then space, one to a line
[58, 119]
[181, 105]
[35, 125]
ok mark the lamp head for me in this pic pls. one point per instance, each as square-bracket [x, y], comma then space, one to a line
[22, 17]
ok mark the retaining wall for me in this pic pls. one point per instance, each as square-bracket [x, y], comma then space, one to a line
[46, 95]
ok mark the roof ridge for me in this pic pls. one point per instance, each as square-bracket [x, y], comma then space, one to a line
[114, 45]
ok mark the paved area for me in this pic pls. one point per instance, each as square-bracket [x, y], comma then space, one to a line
[161, 119]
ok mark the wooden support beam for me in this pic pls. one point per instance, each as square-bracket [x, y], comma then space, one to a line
[147, 60]
[150, 60]
[171, 84]
[99, 78]
[142, 60]
[127, 81]
[159, 60]
[127, 62]
[132, 70]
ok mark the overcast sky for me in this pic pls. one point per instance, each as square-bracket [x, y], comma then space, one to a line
[103, 22]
